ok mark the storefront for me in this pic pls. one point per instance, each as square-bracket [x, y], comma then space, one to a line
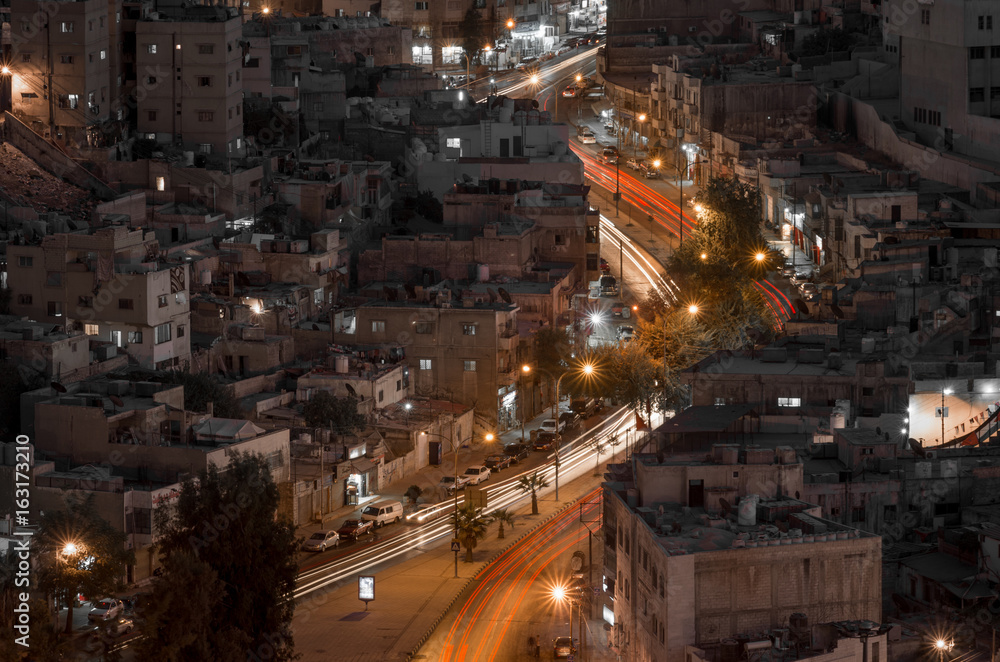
[361, 481]
[507, 417]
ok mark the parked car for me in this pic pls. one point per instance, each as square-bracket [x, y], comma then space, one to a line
[550, 426]
[649, 172]
[809, 291]
[570, 91]
[119, 626]
[570, 418]
[788, 271]
[626, 333]
[585, 407]
[319, 541]
[611, 130]
[633, 164]
[498, 462]
[383, 512]
[450, 484]
[477, 474]
[106, 609]
[516, 452]
[355, 528]
[563, 648]
[586, 137]
[543, 442]
[609, 286]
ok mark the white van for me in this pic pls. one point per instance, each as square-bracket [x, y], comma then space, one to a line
[383, 512]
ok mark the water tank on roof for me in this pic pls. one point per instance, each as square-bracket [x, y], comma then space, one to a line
[341, 363]
[506, 115]
[483, 273]
[532, 117]
[748, 510]
[545, 117]
[559, 148]
[520, 118]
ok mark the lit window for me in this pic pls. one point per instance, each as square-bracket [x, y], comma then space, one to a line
[151, 49]
[789, 402]
[453, 143]
[163, 333]
[161, 301]
[55, 308]
[378, 326]
[91, 329]
[66, 26]
[161, 184]
[470, 366]
[104, 55]
[135, 337]
[425, 364]
[468, 329]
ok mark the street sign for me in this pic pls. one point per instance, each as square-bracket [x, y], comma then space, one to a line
[456, 546]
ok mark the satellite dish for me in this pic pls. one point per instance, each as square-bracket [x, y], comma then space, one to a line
[57, 387]
[350, 389]
[726, 508]
[493, 295]
[504, 295]
[116, 401]
[315, 327]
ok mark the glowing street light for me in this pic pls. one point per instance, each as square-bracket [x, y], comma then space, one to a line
[704, 256]
[579, 77]
[489, 436]
[510, 24]
[587, 369]
[534, 79]
[759, 257]
[5, 71]
[266, 10]
[70, 548]
[698, 208]
[656, 163]
[693, 309]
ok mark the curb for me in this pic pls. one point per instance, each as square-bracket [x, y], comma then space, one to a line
[461, 593]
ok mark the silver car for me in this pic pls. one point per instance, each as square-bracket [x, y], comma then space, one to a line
[120, 626]
[319, 541]
[106, 609]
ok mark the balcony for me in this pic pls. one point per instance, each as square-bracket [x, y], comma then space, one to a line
[507, 341]
[659, 94]
[506, 378]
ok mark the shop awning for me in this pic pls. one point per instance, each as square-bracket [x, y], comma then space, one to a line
[362, 465]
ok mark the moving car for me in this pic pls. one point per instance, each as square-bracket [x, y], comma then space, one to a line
[106, 609]
[516, 452]
[355, 528]
[450, 484]
[498, 462]
[586, 137]
[563, 648]
[477, 474]
[319, 541]
[120, 626]
[383, 512]
[609, 158]
[809, 291]
[570, 91]
[633, 164]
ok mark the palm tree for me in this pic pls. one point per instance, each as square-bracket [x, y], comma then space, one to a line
[503, 516]
[471, 527]
[532, 484]
[599, 448]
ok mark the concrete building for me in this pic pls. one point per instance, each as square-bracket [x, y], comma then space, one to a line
[110, 284]
[192, 62]
[680, 575]
[73, 50]
[381, 384]
[54, 355]
[464, 349]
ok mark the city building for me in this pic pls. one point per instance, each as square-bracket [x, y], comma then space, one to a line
[700, 551]
[54, 355]
[191, 61]
[111, 284]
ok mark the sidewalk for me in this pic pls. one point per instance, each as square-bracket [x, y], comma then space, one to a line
[413, 596]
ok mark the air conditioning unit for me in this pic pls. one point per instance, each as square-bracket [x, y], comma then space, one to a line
[931, 455]
[692, 29]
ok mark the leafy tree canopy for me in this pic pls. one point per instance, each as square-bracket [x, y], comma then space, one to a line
[552, 349]
[200, 388]
[473, 34]
[327, 410]
[228, 570]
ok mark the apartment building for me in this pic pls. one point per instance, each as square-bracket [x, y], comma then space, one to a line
[949, 60]
[463, 350]
[110, 284]
[698, 551]
[72, 52]
[191, 64]
[54, 354]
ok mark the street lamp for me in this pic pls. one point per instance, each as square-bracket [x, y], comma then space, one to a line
[681, 173]
[942, 646]
[587, 369]
[944, 410]
[638, 135]
[693, 309]
[561, 595]
[525, 370]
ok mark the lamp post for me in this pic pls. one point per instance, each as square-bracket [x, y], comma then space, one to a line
[942, 646]
[454, 487]
[681, 173]
[525, 369]
[67, 555]
[944, 410]
[587, 369]
[638, 134]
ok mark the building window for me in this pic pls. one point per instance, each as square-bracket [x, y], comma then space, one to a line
[378, 326]
[423, 328]
[134, 337]
[420, 6]
[66, 26]
[180, 331]
[161, 184]
[85, 301]
[868, 451]
[425, 364]
[151, 49]
[789, 402]
[151, 115]
[163, 333]
[470, 366]
[995, 52]
[206, 49]
[24, 299]
[126, 304]
[977, 94]
[204, 81]
[104, 55]
[719, 402]
[381, 396]
[205, 116]
[71, 101]
[925, 17]
[91, 329]
[293, 50]
[55, 309]
[391, 50]
[25, 261]
[453, 143]
[161, 301]
[560, 240]
[468, 329]
[66, 59]
[977, 52]
[25, 57]
[53, 279]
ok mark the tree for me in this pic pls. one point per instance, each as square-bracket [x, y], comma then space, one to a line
[552, 350]
[223, 541]
[533, 484]
[502, 516]
[413, 493]
[200, 388]
[79, 552]
[471, 527]
[45, 642]
[427, 205]
[472, 32]
[326, 409]
[599, 448]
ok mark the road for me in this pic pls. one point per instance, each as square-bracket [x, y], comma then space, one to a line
[514, 599]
